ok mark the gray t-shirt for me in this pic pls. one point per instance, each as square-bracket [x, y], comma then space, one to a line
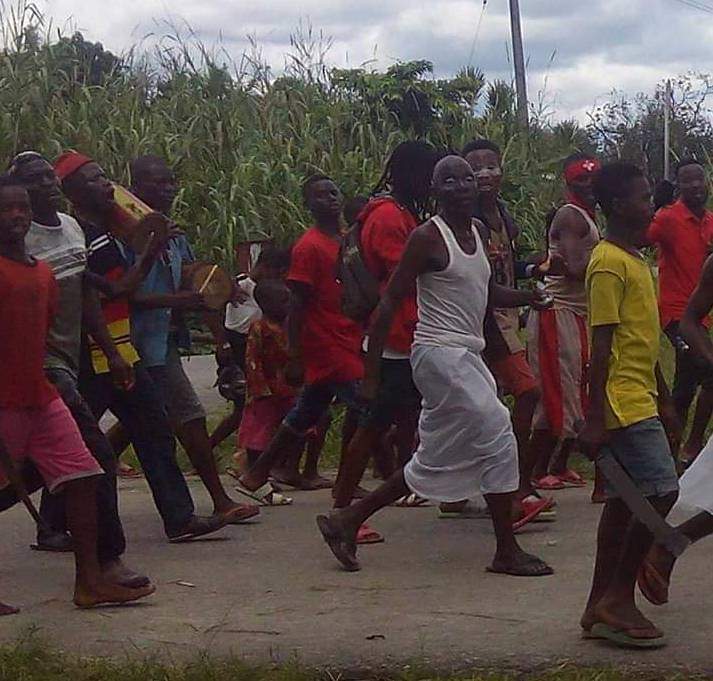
[64, 249]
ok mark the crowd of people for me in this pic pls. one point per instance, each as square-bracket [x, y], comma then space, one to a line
[450, 323]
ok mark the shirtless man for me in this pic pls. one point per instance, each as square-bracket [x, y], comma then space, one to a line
[558, 346]
[697, 482]
[456, 457]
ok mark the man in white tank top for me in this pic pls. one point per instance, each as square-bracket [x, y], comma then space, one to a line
[558, 343]
[467, 443]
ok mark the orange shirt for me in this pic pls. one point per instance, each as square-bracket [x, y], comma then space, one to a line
[682, 241]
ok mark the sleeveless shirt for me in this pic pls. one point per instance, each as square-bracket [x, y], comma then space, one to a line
[452, 302]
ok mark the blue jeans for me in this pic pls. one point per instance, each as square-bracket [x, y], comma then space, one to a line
[111, 542]
[140, 411]
[316, 398]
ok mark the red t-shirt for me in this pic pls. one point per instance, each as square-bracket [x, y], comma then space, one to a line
[28, 299]
[330, 341]
[682, 240]
[387, 227]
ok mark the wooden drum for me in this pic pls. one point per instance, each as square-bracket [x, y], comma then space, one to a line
[213, 282]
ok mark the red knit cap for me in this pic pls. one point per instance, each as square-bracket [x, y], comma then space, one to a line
[69, 162]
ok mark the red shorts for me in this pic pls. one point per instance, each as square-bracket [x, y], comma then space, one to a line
[49, 437]
[513, 374]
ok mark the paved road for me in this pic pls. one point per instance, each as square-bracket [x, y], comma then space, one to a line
[271, 591]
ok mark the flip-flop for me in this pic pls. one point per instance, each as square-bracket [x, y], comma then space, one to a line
[571, 478]
[651, 582]
[240, 513]
[531, 509]
[343, 549]
[411, 501]
[531, 568]
[548, 482]
[468, 513]
[620, 638]
[264, 496]
[367, 535]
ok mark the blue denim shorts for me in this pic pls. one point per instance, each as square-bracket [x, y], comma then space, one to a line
[316, 398]
[643, 451]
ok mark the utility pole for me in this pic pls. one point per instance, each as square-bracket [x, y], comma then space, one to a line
[667, 100]
[519, 60]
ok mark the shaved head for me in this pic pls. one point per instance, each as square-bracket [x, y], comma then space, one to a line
[447, 165]
[454, 185]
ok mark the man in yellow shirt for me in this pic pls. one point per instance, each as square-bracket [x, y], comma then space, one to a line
[630, 411]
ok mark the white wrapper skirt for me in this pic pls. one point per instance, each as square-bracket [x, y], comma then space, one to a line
[467, 443]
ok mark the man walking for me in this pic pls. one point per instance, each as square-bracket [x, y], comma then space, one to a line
[629, 404]
[467, 443]
[682, 233]
[139, 409]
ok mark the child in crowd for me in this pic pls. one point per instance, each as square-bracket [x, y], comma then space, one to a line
[630, 411]
[240, 313]
[269, 397]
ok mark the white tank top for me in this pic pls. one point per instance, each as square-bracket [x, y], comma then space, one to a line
[452, 302]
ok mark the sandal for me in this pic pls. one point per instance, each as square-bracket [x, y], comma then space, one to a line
[548, 482]
[411, 501]
[532, 566]
[530, 511]
[570, 478]
[240, 513]
[264, 495]
[367, 535]
[343, 547]
[652, 584]
[621, 638]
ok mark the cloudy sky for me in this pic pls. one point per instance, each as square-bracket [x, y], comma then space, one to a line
[578, 51]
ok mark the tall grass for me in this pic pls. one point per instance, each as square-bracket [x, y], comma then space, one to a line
[241, 139]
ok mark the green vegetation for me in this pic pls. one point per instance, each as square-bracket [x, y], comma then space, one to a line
[31, 661]
[243, 138]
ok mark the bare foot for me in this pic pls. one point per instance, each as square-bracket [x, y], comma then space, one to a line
[116, 572]
[313, 482]
[7, 610]
[105, 593]
[289, 477]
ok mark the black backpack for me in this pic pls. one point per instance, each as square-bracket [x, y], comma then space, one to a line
[360, 288]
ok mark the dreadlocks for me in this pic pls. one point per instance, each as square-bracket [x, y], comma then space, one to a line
[408, 174]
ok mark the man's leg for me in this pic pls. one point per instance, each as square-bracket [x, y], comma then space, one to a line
[313, 452]
[340, 527]
[188, 419]
[643, 450]
[141, 412]
[611, 600]
[91, 587]
[111, 542]
[227, 426]
[311, 406]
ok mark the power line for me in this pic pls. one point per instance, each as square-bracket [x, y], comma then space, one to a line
[697, 4]
[477, 33]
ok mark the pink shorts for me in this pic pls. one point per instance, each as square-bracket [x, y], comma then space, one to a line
[261, 418]
[49, 437]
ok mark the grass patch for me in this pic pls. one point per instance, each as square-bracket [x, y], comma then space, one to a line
[31, 660]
